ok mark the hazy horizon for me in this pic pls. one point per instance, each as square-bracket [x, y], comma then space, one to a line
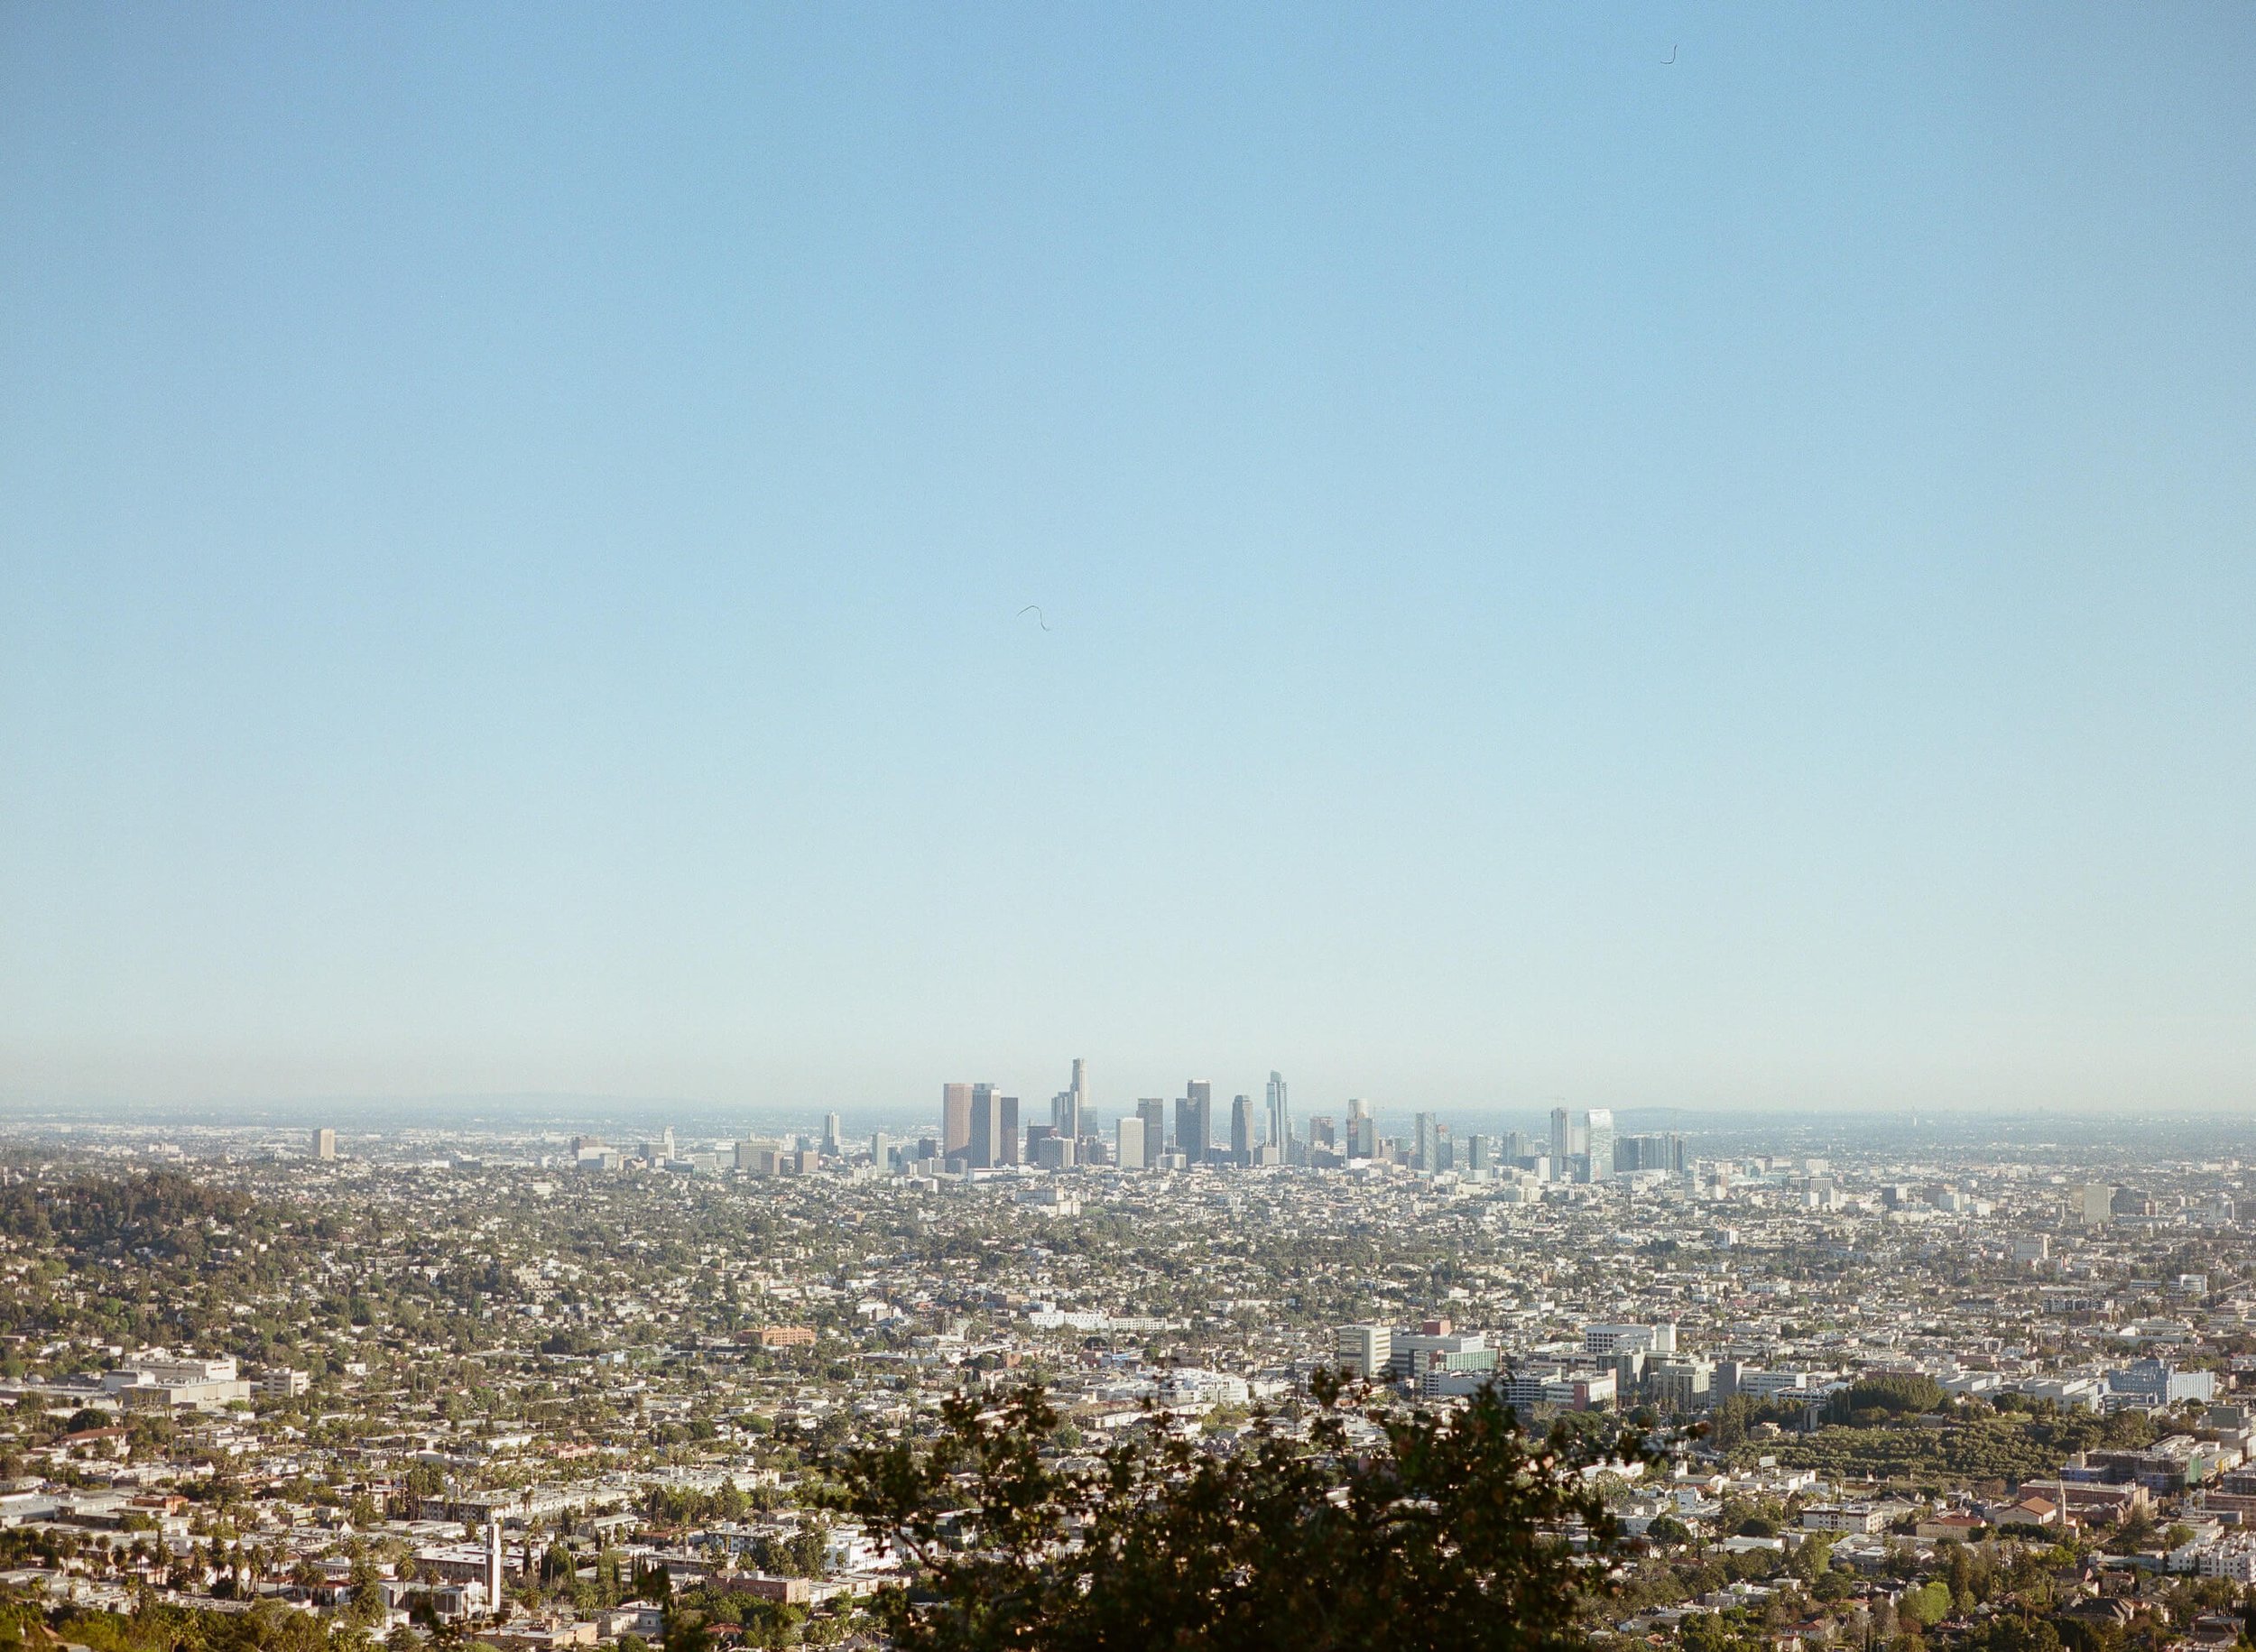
[1651, 558]
[626, 1116]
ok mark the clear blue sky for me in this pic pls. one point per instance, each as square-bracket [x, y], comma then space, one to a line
[1721, 583]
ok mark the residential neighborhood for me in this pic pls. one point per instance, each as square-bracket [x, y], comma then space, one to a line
[530, 1390]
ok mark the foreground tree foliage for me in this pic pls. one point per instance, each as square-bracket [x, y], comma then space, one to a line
[155, 1626]
[1445, 1530]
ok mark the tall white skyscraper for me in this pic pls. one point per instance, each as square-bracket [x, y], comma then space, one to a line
[1069, 1108]
[1598, 1142]
[1280, 1117]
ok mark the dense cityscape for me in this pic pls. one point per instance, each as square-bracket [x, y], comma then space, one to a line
[535, 1387]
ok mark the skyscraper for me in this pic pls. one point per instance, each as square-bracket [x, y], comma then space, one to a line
[955, 1120]
[1152, 1110]
[1598, 1142]
[1069, 1108]
[1279, 1118]
[1131, 1156]
[1363, 1131]
[1194, 1120]
[1562, 1143]
[325, 1143]
[993, 1129]
[1661, 1151]
[832, 1147]
[1426, 1153]
[989, 1146]
[1242, 1142]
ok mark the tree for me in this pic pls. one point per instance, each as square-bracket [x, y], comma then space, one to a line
[2013, 1632]
[1893, 1394]
[1811, 1561]
[685, 1632]
[367, 1604]
[1714, 1632]
[1924, 1606]
[1971, 1576]
[558, 1562]
[1435, 1530]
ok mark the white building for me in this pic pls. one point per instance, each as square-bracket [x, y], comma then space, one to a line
[1203, 1388]
[1366, 1350]
[1603, 1341]
[154, 1377]
[1843, 1518]
[2231, 1557]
